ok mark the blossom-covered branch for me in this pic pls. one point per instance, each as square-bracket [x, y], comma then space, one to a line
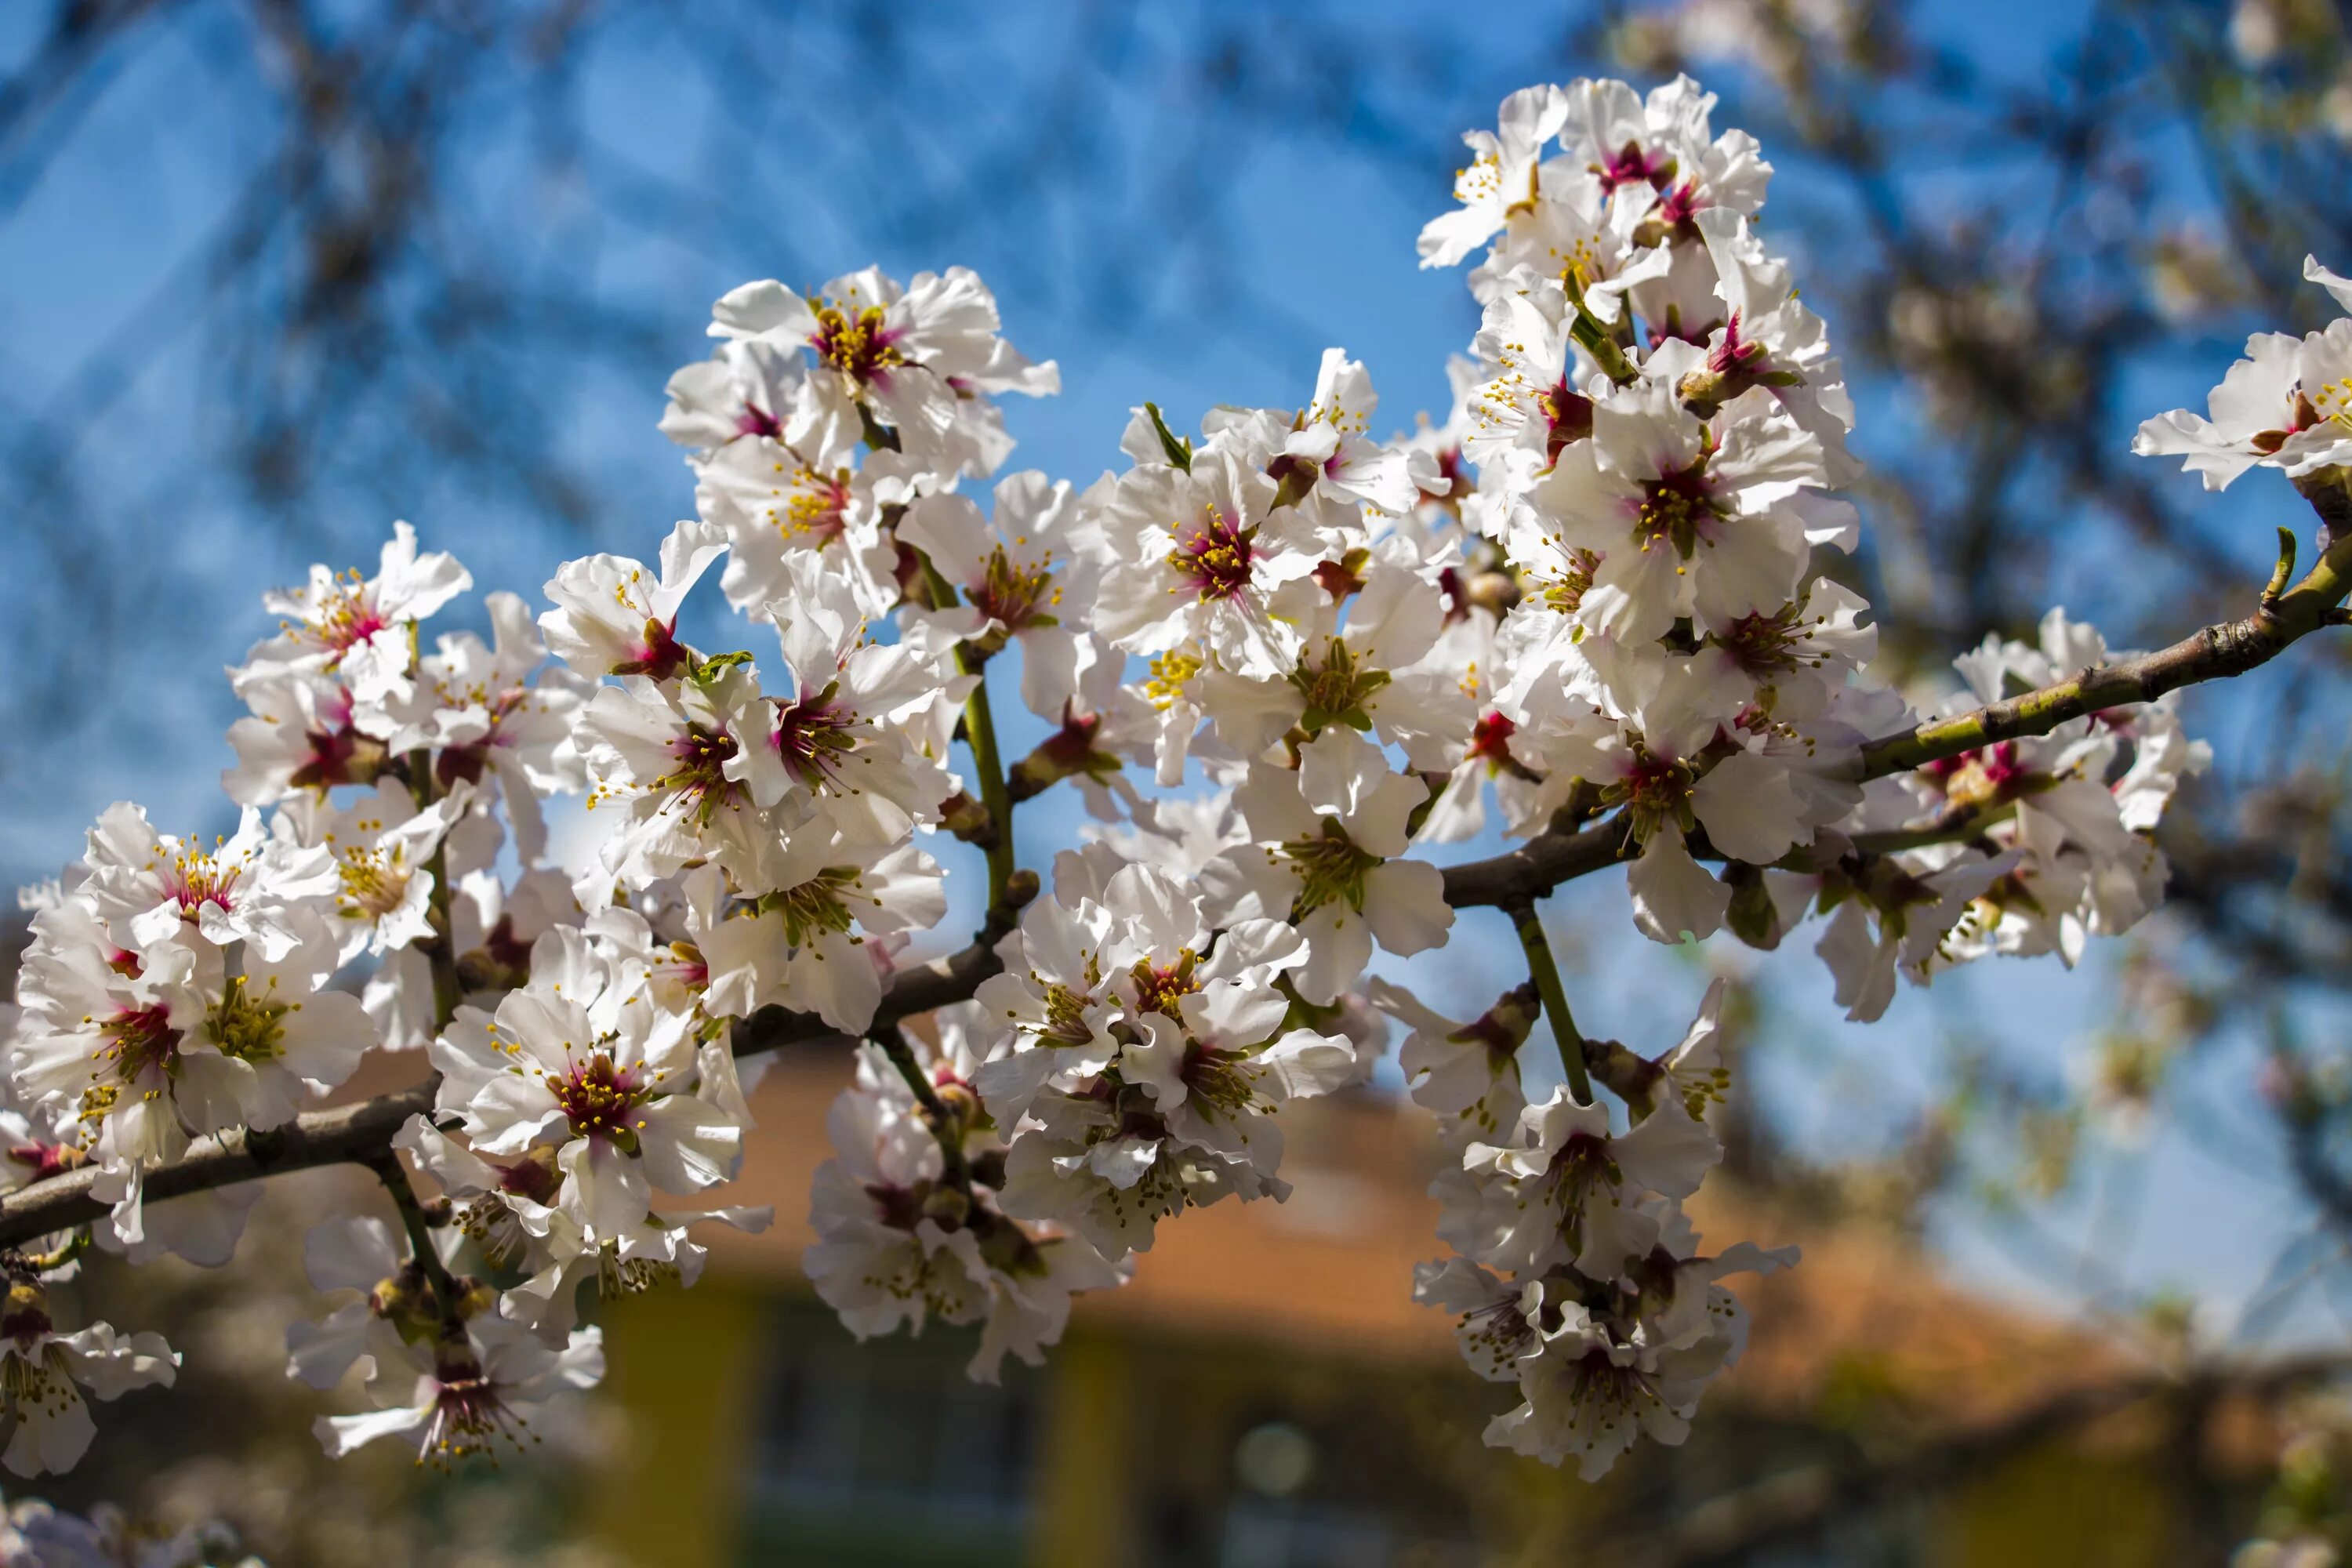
[1277, 661]
[2212, 653]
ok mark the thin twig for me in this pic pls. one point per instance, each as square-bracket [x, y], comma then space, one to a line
[1546, 974]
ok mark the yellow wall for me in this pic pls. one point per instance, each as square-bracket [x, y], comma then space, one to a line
[2058, 1508]
[1082, 1483]
[685, 1372]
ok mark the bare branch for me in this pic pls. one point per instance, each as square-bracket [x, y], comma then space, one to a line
[347, 1135]
[2231, 647]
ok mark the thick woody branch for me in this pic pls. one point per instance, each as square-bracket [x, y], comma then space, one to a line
[1538, 866]
[347, 1135]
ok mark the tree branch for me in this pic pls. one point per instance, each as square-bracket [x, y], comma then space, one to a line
[2231, 647]
[347, 1135]
[360, 1133]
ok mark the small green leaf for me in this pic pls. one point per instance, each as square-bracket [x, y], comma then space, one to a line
[1179, 452]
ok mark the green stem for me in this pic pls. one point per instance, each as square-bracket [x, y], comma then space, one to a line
[1605, 348]
[394, 1178]
[1546, 974]
[947, 1128]
[979, 734]
[75, 1246]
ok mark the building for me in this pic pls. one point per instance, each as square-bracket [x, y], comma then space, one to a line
[1266, 1394]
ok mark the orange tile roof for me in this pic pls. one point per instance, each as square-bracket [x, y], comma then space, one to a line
[1332, 1269]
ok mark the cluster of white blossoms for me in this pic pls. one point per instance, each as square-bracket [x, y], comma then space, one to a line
[35, 1535]
[1277, 660]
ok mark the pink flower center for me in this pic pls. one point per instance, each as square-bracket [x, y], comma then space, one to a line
[813, 734]
[1632, 164]
[1568, 416]
[1734, 355]
[138, 1041]
[598, 1099]
[1492, 738]
[1681, 204]
[659, 653]
[861, 345]
[1214, 558]
[469, 1417]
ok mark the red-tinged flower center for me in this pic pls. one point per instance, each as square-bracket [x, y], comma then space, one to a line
[39, 1160]
[813, 734]
[1503, 1027]
[2301, 415]
[1157, 987]
[25, 1325]
[1734, 355]
[1343, 577]
[1068, 750]
[1492, 738]
[1568, 419]
[1457, 597]
[1071, 748]
[469, 1414]
[534, 1176]
[1680, 205]
[138, 1041]
[1632, 164]
[1293, 476]
[1214, 557]
[861, 345]
[657, 653]
[197, 878]
[1982, 777]
[599, 1098]
[1654, 790]
[338, 757]
[682, 963]
[814, 507]
[346, 617]
[501, 963]
[899, 1208]
[757, 421]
